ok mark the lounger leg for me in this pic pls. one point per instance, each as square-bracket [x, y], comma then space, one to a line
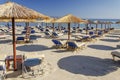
[113, 57]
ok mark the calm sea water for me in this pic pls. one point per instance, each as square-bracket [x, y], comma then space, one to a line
[116, 26]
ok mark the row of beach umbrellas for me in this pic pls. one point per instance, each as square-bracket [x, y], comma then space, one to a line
[14, 12]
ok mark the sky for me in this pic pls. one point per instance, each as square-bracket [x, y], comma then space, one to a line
[100, 9]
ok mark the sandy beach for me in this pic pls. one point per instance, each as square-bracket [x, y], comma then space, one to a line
[92, 63]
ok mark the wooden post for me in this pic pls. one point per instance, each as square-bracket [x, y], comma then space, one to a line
[96, 28]
[59, 27]
[79, 25]
[68, 31]
[14, 44]
[101, 26]
[86, 29]
[46, 23]
[105, 26]
[53, 27]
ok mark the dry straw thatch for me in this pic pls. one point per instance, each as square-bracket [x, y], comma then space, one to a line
[18, 20]
[11, 9]
[69, 19]
[51, 20]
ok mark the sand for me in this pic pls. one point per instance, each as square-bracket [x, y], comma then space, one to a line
[92, 63]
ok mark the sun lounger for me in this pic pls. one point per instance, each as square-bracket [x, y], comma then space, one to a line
[78, 38]
[93, 37]
[32, 31]
[56, 35]
[115, 54]
[91, 33]
[31, 66]
[2, 70]
[86, 38]
[59, 43]
[22, 39]
[100, 33]
[75, 46]
[48, 34]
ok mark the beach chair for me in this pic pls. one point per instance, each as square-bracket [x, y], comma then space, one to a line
[86, 38]
[2, 70]
[75, 46]
[23, 32]
[42, 29]
[115, 54]
[22, 39]
[31, 67]
[32, 31]
[59, 44]
[78, 38]
[93, 38]
[33, 37]
[91, 33]
[56, 35]
[48, 35]
[100, 33]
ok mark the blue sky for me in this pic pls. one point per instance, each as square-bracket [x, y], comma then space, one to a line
[81, 8]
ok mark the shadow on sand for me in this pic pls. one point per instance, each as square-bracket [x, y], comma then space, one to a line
[14, 74]
[86, 65]
[32, 48]
[102, 47]
[113, 36]
[3, 41]
[62, 51]
[109, 40]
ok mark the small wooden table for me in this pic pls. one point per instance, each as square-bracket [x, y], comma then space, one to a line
[10, 58]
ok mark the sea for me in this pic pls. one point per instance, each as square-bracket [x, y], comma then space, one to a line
[82, 25]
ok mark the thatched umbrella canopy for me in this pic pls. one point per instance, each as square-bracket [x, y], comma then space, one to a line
[96, 22]
[69, 19]
[52, 20]
[90, 22]
[18, 20]
[101, 22]
[109, 24]
[13, 11]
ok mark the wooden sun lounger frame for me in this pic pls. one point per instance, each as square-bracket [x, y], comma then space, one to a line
[115, 54]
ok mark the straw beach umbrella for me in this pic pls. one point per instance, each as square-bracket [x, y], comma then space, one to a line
[69, 19]
[13, 11]
[52, 20]
[96, 22]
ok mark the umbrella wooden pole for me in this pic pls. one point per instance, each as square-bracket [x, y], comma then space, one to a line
[59, 27]
[79, 25]
[27, 24]
[105, 26]
[90, 24]
[53, 27]
[96, 29]
[42, 24]
[86, 29]
[68, 31]
[101, 26]
[46, 24]
[14, 44]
